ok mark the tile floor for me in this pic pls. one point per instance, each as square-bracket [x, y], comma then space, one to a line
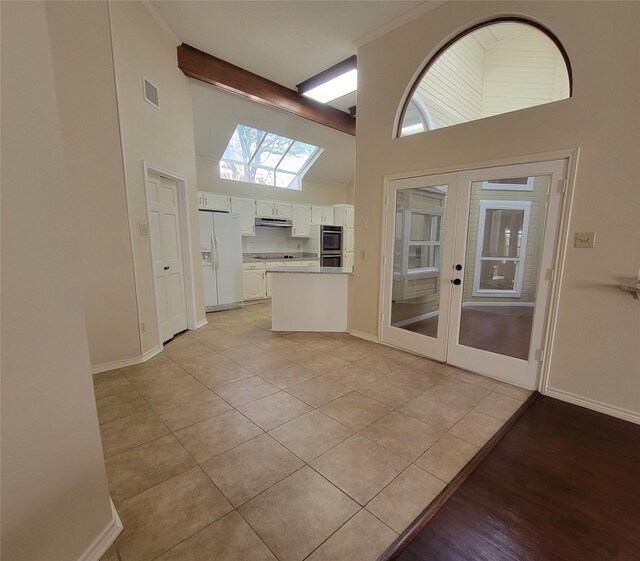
[239, 444]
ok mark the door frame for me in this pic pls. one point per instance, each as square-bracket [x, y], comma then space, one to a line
[562, 243]
[185, 240]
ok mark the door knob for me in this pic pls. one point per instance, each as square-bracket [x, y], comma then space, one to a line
[166, 268]
[458, 267]
[456, 281]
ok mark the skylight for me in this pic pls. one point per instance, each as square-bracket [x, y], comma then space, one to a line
[266, 158]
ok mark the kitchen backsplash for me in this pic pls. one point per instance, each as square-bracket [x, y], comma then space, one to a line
[279, 240]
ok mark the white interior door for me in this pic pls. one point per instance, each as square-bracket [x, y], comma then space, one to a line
[469, 283]
[166, 250]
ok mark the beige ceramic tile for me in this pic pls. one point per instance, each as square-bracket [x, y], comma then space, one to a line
[280, 345]
[513, 391]
[121, 404]
[263, 362]
[355, 410]
[310, 435]
[223, 371]
[242, 351]
[418, 380]
[452, 390]
[216, 435]
[169, 387]
[297, 514]
[151, 373]
[274, 410]
[228, 539]
[385, 390]
[156, 360]
[183, 412]
[353, 377]
[498, 406]
[246, 470]
[161, 517]
[327, 345]
[402, 435]
[184, 347]
[363, 538]
[288, 375]
[142, 467]
[219, 340]
[111, 554]
[398, 504]
[476, 428]
[125, 433]
[359, 467]
[109, 383]
[318, 361]
[436, 411]
[245, 390]
[447, 457]
[318, 391]
[471, 378]
[357, 351]
[257, 335]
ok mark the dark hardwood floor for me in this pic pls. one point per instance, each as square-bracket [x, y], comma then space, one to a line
[562, 485]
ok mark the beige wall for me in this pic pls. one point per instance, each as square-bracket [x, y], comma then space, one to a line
[163, 138]
[596, 353]
[81, 43]
[314, 192]
[55, 500]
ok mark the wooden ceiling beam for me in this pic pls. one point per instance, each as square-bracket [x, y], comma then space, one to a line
[217, 72]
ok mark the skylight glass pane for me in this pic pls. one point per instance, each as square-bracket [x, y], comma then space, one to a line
[285, 180]
[232, 170]
[243, 144]
[297, 156]
[272, 150]
[261, 176]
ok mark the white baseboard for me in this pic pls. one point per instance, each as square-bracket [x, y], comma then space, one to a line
[105, 539]
[201, 323]
[365, 336]
[416, 319]
[126, 362]
[498, 304]
[594, 405]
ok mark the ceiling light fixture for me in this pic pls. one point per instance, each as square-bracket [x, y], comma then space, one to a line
[333, 83]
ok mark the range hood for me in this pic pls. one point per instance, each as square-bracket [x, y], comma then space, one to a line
[274, 222]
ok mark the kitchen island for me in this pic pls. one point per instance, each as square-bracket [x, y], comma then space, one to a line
[309, 298]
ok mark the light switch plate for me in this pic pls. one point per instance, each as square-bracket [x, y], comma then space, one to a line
[585, 239]
[143, 228]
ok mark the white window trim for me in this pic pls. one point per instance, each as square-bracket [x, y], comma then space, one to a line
[490, 185]
[517, 288]
[406, 224]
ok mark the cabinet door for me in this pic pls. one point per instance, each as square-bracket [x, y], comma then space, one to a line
[316, 215]
[246, 210]
[265, 209]
[348, 260]
[283, 210]
[213, 201]
[254, 285]
[268, 276]
[327, 215]
[301, 218]
[349, 217]
[200, 200]
[348, 240]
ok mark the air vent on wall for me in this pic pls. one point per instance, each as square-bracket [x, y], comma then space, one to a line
[151, 93]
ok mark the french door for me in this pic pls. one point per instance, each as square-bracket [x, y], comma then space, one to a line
[468, 266]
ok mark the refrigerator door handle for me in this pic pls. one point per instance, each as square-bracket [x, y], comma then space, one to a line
[216, 257]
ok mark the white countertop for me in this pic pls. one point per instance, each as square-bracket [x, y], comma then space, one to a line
[315, 269]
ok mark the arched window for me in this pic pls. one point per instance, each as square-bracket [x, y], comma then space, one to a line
[493, 68]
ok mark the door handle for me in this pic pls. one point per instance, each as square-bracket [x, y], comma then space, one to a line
[458, 267]
[456, 281]
[166, 268]
[217, 258]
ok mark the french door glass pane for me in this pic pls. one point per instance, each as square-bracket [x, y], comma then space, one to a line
[418, 243]
[501, 269]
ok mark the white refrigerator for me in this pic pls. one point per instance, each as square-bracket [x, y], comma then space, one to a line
[221, 254]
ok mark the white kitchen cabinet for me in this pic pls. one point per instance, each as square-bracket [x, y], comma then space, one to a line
[283, 210]
[348, 240]
[344, 216]
[213, 201]
[322, 215]
[301, 218]
[265, 209]
[316, 215]
[268, 275]
[246, 211]
[254, 283]
[347, 260]
[327, 215]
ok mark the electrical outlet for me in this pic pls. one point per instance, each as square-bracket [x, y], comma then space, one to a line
[143, 228]
[585, 239]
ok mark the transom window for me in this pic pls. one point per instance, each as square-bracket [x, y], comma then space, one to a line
[494, 68]
[266, 158]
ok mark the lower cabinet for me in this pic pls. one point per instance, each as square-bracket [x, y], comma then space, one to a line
[254, 284]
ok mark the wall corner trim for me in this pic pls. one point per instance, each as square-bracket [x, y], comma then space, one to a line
[201, 323]
[113, 365]
[365, 336]
[598, 406]
[105, 539]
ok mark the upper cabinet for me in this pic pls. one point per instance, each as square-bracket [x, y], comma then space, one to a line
[283, 210]
[322, 215]
[246, 211]
[213, 201]
[265, 209]
[344, 216]
[301, 218]
[349, 241]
